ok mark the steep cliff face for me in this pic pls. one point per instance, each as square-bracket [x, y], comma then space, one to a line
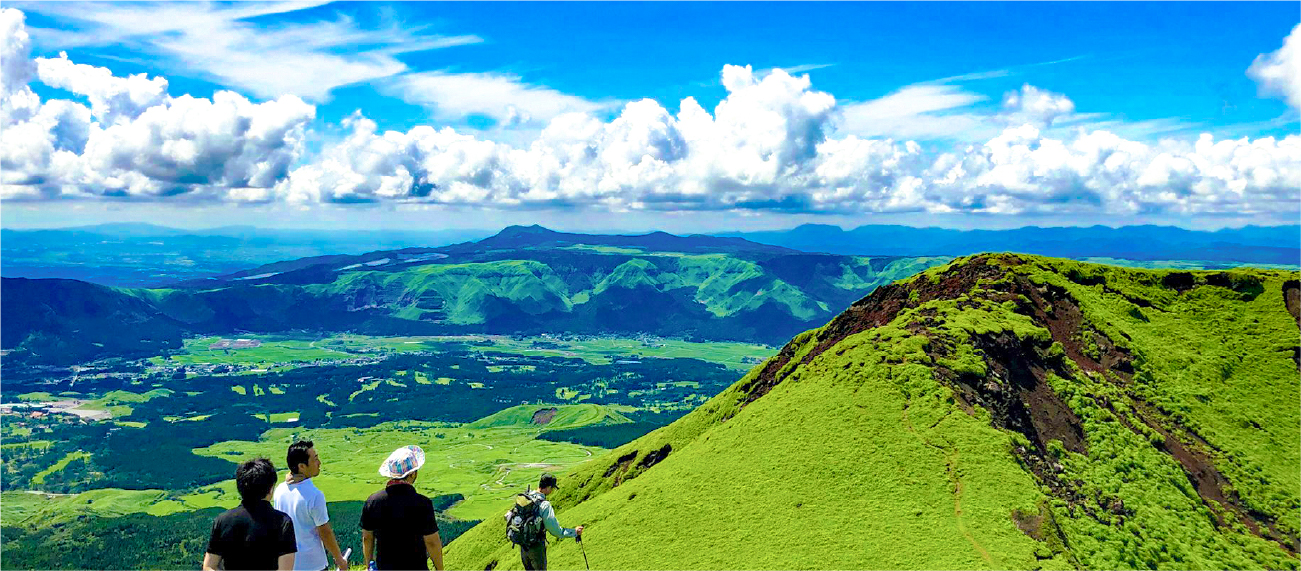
[1002, 411]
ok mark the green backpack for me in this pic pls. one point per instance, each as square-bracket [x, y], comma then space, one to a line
[524, 525]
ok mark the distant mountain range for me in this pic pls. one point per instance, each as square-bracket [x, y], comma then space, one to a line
[1250, 244]
[522, 280]
[145, 255]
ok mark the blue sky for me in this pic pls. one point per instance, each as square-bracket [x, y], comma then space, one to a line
[916, 87]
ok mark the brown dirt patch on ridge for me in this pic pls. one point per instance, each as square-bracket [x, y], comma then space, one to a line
[1017, 394]
[1292, 299]
[655, 456]
[621, 464]
[623, 468]
[1066, 323]
[544, 415]
[1016, 391]
[878, 308]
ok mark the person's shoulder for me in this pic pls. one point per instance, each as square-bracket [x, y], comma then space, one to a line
[234, 513]
[275, 516]
[379, 495]
[308, 489]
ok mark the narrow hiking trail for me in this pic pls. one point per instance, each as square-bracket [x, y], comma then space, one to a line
[950, 453]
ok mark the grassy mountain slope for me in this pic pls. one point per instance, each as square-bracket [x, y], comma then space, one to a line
[999, 412]
[60, 319]
[716, 289]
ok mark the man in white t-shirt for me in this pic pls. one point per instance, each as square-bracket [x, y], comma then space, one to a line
[305, 504]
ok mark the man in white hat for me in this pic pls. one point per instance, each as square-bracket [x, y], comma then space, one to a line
[400, 519]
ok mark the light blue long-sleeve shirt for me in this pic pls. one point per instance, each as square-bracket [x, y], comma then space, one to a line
[553, 525]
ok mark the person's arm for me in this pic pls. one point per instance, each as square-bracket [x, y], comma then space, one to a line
[331, 544]
[288, 545]
[434, 547]
[429, 531]
[216, 546]
[321, 518]
[367, 525]
[553, 525]
[367, 546]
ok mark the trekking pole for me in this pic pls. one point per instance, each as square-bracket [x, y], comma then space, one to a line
[579, 539]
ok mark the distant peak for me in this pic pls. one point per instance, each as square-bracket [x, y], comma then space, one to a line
[531, 229]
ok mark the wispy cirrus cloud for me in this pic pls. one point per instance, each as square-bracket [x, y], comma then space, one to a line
[221, 42]
[943, 109]
[805, 67]
[504, 97]
[918, 111]
[1004, 72]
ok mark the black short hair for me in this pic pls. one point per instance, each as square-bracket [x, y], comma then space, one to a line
[298, 454]
[255, 479]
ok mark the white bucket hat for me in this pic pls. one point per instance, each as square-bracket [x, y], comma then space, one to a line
[402, 462]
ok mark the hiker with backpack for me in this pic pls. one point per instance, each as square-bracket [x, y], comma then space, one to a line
[531, 519]
[400, 519]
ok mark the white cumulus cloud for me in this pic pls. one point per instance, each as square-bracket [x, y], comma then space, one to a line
[134, 140]
[1279, 72]
[1034, 106]
[1022, 171]
[774, 143]
[111, 98]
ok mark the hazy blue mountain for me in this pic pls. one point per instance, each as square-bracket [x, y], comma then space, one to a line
[1250, 244]
[145, 255]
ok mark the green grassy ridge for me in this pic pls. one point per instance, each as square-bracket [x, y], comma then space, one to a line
[865, 428]
[1217, 358]
[718, 296]
[462, 290]
[781, 461]
[725, 285]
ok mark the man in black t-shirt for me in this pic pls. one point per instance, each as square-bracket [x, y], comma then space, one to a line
[253, 535]
[400, 519]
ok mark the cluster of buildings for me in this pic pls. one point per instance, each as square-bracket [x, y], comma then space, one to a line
[70, 408]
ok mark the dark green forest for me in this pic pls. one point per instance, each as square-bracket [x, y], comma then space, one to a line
[324, 397]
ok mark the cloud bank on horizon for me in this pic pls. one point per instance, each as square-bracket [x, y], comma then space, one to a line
[774, 144]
